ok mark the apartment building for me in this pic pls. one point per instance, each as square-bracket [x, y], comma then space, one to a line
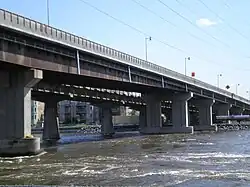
[77, 112]
[37, 112]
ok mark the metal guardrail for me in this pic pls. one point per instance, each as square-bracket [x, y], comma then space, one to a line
[26, 25]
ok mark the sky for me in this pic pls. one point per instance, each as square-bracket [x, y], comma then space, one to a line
[215, 34]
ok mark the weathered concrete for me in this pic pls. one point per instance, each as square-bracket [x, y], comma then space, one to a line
[180, 114]
[222, 109]
[19, 147]
[205, 115]
[15, 115]
[142, 118]
[236, 111]
[153, 111]
[51, 122]
[107, 128]
[246, 112]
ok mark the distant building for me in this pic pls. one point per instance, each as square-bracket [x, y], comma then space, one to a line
[37, 112]
[71, 112]
[77, 112]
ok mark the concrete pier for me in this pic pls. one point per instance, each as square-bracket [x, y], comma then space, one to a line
[180, 119]
[51, 123]
[236, 111]
[180, 114]
[153, 123]
[15, 112]
[153, 111]
[142, 118]
[205, 115]
[107, 128]
[222, 109]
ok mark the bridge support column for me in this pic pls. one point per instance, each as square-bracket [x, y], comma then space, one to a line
[205, 115]
[180, 114]
[51, 123]
[153, 115]
[236, 111]
[142, 118]
[223, 109]
[246, 112]
[153, 111]
[15, 112]
[107, 128]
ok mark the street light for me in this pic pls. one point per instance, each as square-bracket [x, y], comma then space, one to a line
[248, 94]
[48, 11]
[218, 80]
[186, 58]
[146, 46]
[236, 91]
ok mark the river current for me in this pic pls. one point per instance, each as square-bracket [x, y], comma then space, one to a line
[212, 159]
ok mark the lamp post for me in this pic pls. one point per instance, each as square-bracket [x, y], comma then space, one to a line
[218, 80]
[48, 11]
[248, 94]
[146, 46]
[236, 91]
[186, 58]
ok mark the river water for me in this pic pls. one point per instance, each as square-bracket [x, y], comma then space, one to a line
[213, 159]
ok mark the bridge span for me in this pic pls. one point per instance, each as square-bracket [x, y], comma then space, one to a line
[32, 53]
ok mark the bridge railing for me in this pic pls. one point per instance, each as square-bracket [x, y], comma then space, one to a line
[22, 24]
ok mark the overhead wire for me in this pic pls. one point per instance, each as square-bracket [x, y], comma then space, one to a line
[169, 22]
[148, 35]
[174, 25]
[178, 1]
[222, 19]
[192, 11]
[132, 27]
[194, 25]
[230, 7]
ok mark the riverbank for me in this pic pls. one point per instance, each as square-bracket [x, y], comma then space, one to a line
[88, 129]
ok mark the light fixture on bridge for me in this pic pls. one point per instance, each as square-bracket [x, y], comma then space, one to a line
[218, 80]
[236, 88]
[186, 58]
[146, 46]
